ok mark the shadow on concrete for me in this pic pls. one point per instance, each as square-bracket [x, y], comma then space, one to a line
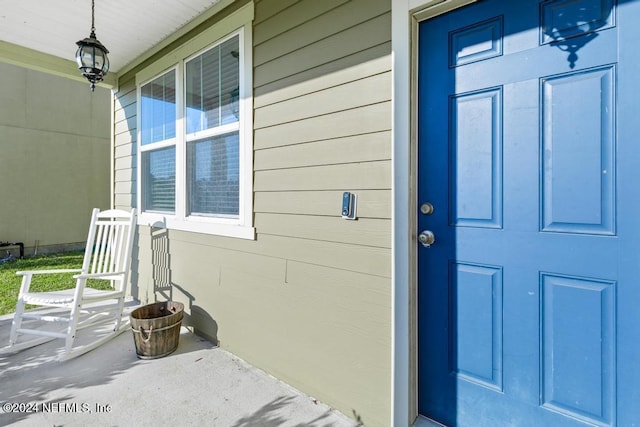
[198, 384]
[275, 413]
[29, 376]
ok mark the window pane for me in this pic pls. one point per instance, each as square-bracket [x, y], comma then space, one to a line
[213, 175]
[210, 82]
[159, 180]
[229, 80]
[212, 91]
[158, 109]
[195, 109]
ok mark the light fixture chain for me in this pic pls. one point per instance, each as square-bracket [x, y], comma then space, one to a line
[93, 10]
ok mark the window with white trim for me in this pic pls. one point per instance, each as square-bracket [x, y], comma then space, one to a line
[212, 88]
[158, 143]
[195, 140]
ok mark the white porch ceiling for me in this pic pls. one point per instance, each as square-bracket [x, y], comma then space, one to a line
[128, 28]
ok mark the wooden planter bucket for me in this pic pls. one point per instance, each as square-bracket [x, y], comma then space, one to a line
[156, 328]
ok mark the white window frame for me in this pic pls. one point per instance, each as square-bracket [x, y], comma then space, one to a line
[238, 23]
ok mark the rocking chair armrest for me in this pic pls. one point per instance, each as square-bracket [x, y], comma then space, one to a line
[63, 270]
[98, 275]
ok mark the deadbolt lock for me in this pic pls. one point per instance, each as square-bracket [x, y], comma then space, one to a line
[426, 208]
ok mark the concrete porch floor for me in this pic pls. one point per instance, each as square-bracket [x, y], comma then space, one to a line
[198, 384]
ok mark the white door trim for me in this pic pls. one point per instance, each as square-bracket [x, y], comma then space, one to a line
[405, 16]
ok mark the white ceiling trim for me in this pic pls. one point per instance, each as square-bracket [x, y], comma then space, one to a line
[216, 8]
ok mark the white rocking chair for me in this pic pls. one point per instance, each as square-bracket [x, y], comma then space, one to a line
[107, 256]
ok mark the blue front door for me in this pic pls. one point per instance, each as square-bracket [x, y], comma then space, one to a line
[528, 178]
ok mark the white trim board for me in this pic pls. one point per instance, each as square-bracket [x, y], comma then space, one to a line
[405, 16]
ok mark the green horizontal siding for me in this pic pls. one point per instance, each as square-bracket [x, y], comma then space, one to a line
[310, 299]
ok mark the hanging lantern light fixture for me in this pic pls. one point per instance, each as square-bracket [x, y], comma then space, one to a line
[91, 55]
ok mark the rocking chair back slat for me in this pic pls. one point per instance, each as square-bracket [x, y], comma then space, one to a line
[97, 247]
[108, 252]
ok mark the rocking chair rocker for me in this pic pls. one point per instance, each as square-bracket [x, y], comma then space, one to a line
[107, 256]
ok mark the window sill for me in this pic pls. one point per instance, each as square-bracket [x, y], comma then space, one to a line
[224, 229]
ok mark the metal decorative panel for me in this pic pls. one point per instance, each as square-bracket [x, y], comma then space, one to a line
[578, 152]
[476, 159]
[475, 43]
[476, 341]
[578, 347]
[563, 19]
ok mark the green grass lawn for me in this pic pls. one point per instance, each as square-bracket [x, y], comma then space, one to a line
[10, 282]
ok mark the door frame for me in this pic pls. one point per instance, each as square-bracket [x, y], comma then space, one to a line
[406, 16]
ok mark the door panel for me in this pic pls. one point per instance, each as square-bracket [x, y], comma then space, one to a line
[578, 346]
[477, 347]
[520, 318]
[476, 123]
[578, 168]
